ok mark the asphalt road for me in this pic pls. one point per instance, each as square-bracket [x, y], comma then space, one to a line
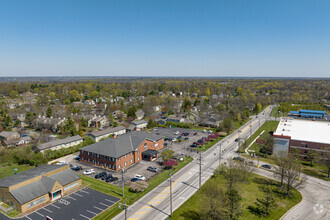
[156, 204]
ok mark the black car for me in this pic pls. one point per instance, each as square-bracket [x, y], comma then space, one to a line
[135, 179]
[267, 166]
[100, 175]
[106, 176]
[76, 168]
[193, 145]
[186, 138]
[111, 179]
[239, 159]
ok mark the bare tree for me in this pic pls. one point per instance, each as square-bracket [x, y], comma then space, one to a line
[280, 160]
[292, 175]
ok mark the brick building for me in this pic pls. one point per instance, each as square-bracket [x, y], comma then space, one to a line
[36, 187]
[123, 151]
[302, 136]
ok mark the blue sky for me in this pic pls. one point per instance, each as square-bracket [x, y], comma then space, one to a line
[165, 38]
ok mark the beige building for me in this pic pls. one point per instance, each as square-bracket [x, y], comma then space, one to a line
[36, 187]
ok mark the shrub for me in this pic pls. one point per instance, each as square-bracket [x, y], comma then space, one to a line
[138, 186]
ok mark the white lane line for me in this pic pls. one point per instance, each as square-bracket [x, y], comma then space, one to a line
[109, 200]
[28, 217]
[103, 204]
[91, 212]
[39, 214]
[98, 208]
[47, 210]
[84, 191]
[55, 206]
[78, 194]
[84, 216]
[71, 198]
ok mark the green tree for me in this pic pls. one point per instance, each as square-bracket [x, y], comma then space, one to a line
[311, 156]
[208, 92]
[49, 112]
[74, 94]
[70, 127]
[13, 94]
[94, 94]
[266, 203]
[131, 112]
[167, 154]
[83, 122]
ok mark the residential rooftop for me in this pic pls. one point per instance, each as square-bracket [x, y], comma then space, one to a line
[107, 131]
[57, 142]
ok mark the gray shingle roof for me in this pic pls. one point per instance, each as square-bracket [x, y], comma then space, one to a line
[54, 143]
[138, 122]
[28, 174]
[36, 189]
[65, 177]
[107, 131]
[124, 144]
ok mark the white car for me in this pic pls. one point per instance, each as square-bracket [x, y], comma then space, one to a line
[138, 176]
[177, 132]
[174, 139]
[89, 172]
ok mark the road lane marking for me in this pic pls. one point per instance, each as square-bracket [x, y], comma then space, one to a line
[47, 210]
[98, 208]
[71, 198]
[39, 214]
[55, 206]
[28, 217]
[84, 216]
[84, 191]
[91, 212]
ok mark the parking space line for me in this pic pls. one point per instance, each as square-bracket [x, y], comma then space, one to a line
[78, 194]
[71, 198]
[47, 210]
[28, 217]
[103, 204]
[98, 208]
[84, 216]
[109, 200]
[84, 191]
[39, 214]
[91, 212]
[55, 206]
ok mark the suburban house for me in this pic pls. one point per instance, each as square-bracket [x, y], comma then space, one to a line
[211, 122]
[89, 102]
[175, 119]
[123, 151]
[97, 121]
[139, 114]
[139, 124]
[60, 143]
[8, 138]
[98, 135]
[53, 124]
[36, 187]
[24, 140]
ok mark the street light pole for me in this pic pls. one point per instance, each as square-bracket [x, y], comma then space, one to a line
[122, 181]
[171, 194]
[220, 154]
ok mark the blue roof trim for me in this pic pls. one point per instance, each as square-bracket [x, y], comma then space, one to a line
[294, 112]
[312, 111]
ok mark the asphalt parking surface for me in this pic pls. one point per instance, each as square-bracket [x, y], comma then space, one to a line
[83, 204]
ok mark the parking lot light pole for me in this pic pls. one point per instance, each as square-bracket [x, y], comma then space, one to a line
[122, 181]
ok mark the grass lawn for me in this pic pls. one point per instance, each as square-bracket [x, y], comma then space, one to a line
[249, 192]
[130, 197]
[9, 170]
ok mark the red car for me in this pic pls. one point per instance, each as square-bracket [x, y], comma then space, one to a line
[195, 133]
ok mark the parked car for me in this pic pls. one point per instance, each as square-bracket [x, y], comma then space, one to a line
[186, 134]
[195, 133]
[186, 138]
[174, 139]
[165, 144]
[180, 137]
[193, 145]
[238, 158]
[106, 176]
[62, 163]
[177, 132]
[166, 139]
[100, 175]
[139, 177]
[77, 158]
[182, 134]
[88, 172]
[135, 179]
[76, 168]
[153, 169]
[267, 166]
[111, 179]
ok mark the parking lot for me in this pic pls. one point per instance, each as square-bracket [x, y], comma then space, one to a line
[83, 204]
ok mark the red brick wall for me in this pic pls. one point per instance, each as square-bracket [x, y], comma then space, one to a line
[135, 157]
[303, 149]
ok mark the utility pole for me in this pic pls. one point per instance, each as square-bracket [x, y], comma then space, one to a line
[122, 181]
[200, 170]
[250, 129]
[171, 194]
